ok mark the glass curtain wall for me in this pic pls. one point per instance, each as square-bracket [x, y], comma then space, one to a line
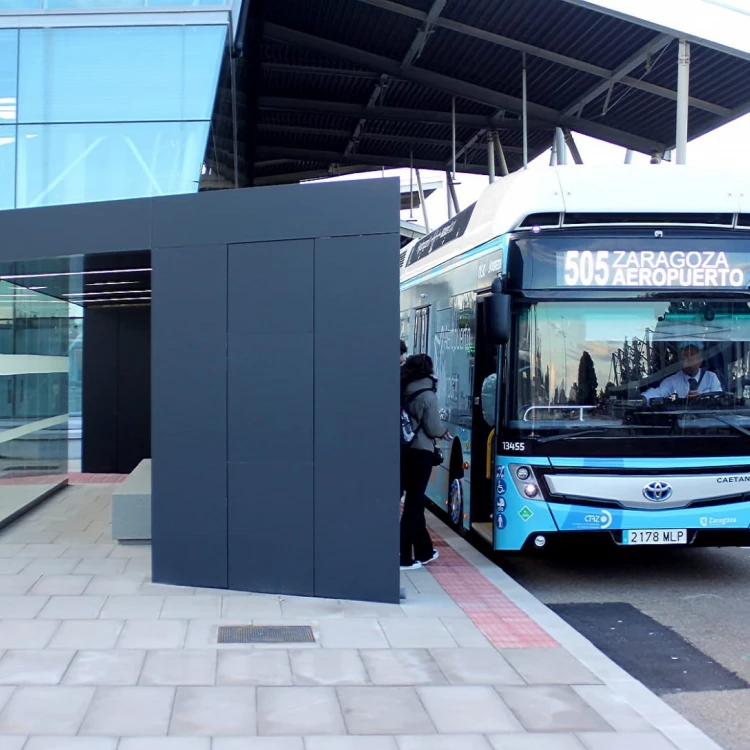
[34, 386]
[105, 113]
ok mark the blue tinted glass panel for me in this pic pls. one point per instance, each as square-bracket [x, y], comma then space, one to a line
[99, 162]
[8, 74]
[20, 4]
[7, 166]
[184, 3]
[93, 3]
[119, 74]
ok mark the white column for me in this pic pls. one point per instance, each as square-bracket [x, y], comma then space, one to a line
[683, 86]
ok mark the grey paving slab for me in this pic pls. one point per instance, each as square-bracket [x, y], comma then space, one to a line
[402, 666]
[214, 711]
[12, 743]
[21, 607]
[72, 608]
[132, 608]
[104, 568]
[87, 634]
[84, 551]
[5, 694]
[351, 742]
[250, 607]
[71, 743]
[68, 585]
[464, 709]
[352, 633]
[190, 607]
[179, 667]
[384, 710]
[296, 607]
[10, 550]
[466, 633]
[421, 632]
[165, 743]
[299, 711]
[45, 710]
[34, 667]
[254, 667]
[51, 566]
[614, 709]
[45, 549]
[371, 609]
[536, 741]
[17, 584]
[129, 712]
[158, 634]
[258, 743]
[476, 666]
[116, 668]
[27, 633]
[328, 667]
[110, 585]
[625, 741]
[552, 708]
[13, 565]
[453, 742]
[549, 666]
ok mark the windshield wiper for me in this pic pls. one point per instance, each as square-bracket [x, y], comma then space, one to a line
[573, 434]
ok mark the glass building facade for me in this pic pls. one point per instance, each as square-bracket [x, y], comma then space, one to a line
[99, 100]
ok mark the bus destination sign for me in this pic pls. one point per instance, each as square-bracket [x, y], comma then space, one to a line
[694, 269]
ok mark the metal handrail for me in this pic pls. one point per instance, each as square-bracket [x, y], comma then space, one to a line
[575, 407]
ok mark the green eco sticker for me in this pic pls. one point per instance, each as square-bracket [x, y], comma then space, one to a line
[526, 513]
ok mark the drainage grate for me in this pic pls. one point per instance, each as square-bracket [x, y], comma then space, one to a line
[266, 634]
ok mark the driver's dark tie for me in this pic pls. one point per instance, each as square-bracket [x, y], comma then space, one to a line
[693, 384]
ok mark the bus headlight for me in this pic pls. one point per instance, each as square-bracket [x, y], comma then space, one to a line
[530, 490]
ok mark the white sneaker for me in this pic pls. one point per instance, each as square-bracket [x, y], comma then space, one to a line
[414, 566]
[435, 555]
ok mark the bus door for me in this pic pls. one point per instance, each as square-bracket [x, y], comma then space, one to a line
[484, 417]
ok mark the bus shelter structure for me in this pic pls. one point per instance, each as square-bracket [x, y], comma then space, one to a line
[479, 87]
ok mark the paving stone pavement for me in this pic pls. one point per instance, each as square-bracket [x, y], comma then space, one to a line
[94, 656]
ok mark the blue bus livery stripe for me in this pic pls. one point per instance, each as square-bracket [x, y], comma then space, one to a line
[498, 243]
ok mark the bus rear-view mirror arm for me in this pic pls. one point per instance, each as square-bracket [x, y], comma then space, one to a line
[497, 314]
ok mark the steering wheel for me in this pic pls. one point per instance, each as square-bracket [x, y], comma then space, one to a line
[712, 398]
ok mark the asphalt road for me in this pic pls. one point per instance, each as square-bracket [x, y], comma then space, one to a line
[701, 594]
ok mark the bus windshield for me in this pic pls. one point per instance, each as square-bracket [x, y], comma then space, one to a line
[651, 369]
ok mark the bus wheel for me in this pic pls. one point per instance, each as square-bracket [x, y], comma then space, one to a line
[456, 502]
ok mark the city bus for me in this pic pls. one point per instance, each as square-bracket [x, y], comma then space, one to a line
[590, 332]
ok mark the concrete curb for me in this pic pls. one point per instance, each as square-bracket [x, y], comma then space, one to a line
[661, 716]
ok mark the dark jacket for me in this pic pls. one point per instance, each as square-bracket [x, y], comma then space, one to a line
[424, 411]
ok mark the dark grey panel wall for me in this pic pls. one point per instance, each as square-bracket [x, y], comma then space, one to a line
[189, 419]
[271, 417]
[116, 389]
[356, 543]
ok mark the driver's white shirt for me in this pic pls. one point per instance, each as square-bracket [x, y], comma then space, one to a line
[678, 384]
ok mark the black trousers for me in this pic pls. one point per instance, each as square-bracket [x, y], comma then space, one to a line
[416, 467]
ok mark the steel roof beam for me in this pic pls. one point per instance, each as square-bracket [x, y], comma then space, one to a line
[432, 117]
[311, 174]
[320, 70]
[415, 50]
[456, 87]
[544, 54]
[386, 137]
[375, 160]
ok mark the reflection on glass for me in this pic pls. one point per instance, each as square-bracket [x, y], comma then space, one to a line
[97, 162]
[141, 73]
[33, 395]
[7, 166]
[8, 73]
[668, 368]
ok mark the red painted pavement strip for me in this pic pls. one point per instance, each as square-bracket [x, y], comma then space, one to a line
[503, 623]
[96, 478]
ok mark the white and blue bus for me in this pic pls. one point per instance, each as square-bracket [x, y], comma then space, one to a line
[590, 330]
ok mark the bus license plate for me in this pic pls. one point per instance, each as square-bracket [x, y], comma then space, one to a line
[655, 536]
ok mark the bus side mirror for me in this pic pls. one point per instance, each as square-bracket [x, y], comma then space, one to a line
[497, 315]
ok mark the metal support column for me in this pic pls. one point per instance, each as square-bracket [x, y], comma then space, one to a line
[683, 86]
[454, 196]
[629, 156]
[572, 146]
[490, 157]
[562, 154]
[421, 201]
[448, 187]
[500, 154]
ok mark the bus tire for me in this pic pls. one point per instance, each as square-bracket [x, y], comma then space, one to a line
[456, 501]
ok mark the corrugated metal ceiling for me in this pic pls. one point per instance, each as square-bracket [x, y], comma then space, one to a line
[324, 101]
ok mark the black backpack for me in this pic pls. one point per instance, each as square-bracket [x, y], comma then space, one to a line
[408, 435]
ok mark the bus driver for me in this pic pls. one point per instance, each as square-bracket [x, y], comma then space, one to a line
[691, 381]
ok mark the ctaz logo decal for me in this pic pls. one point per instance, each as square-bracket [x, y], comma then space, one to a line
[657, 492]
